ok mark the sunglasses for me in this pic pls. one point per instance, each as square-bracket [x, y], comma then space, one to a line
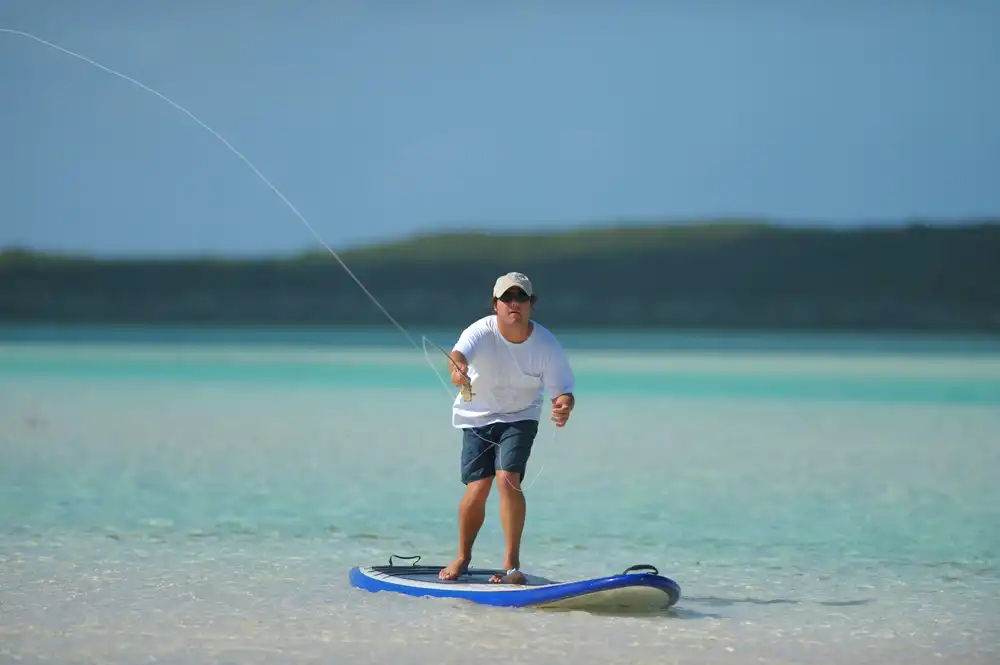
[517, 296]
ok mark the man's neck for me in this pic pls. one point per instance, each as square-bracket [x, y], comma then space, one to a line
[515, 334]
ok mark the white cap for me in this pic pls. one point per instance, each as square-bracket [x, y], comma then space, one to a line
[512, 279]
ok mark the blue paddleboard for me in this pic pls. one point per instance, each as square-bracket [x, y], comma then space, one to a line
[637, 588]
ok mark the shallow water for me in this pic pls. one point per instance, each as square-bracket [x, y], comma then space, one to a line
[185, 503]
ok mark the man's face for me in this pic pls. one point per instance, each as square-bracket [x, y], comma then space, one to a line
[514, 306]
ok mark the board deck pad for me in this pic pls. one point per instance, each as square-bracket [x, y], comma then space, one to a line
[638, 588]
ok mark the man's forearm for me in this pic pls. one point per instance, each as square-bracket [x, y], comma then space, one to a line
[458, 358]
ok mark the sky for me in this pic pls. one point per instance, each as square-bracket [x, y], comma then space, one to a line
[378, 121]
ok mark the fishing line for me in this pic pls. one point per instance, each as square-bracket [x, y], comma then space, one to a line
[278, 193]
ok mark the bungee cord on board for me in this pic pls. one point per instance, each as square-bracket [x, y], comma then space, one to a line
[425, 340]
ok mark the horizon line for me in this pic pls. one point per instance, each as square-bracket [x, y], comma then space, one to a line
[456, 231]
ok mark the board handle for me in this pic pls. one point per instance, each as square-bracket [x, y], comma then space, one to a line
[641, 566]
[408, 558]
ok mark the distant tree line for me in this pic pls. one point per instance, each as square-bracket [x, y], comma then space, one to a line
[712, 276]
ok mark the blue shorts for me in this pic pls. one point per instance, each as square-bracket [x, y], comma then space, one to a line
[504, 446]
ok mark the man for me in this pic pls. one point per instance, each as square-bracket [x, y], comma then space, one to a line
[503, 362]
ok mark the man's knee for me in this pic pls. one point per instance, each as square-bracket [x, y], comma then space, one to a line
[509, 481]
[477, 491]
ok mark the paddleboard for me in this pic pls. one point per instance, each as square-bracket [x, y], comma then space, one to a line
[638, 588]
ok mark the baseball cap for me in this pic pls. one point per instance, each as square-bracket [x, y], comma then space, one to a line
[512, 279]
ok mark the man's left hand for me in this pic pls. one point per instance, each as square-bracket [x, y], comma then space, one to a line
[561, 408]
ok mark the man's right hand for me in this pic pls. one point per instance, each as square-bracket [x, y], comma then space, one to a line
[459, 369]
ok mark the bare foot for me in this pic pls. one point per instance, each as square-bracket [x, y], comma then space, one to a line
[515, 576]
[454, 569]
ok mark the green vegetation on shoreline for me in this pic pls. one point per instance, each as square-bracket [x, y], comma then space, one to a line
[721, 276]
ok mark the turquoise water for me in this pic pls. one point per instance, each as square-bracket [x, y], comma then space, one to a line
[198, 496]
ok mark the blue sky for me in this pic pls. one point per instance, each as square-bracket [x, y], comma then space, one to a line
[381, 120]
